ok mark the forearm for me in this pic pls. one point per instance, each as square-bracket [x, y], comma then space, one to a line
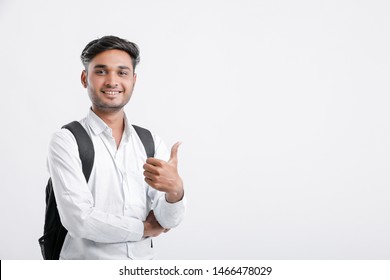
[102, 227]
[82, 219]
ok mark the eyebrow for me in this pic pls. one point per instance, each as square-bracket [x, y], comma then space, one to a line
[105, 66]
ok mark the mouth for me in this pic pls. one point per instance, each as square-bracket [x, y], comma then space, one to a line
[111, 92]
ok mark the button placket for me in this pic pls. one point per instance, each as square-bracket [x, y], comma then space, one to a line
[121, 164]
[125, 192]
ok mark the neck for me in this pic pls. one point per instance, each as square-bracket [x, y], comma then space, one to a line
[113, 118]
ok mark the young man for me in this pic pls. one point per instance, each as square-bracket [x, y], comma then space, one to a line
[129, 198]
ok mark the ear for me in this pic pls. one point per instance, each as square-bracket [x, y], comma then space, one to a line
[84, 79]
[135, 77]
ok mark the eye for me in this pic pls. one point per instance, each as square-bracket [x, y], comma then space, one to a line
[123, 73]
[100, 72]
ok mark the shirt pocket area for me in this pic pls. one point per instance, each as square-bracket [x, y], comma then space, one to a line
[137, 201]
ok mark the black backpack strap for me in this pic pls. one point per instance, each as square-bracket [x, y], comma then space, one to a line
[146, 139]
[85, 145]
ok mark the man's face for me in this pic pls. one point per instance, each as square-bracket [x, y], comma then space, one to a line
[110, 80]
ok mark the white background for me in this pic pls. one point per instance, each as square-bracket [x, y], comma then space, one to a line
[282, 107]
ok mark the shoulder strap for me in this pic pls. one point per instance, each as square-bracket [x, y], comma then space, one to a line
[54, 232]
[146, 139]
[85, 145]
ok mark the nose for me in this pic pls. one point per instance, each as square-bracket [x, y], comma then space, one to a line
[111, 81]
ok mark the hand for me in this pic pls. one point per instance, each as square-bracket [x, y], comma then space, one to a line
[163, 175]
[151, 226]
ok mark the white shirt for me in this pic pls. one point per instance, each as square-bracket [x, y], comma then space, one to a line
[104, 217]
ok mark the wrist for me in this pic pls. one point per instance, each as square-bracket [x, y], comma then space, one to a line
[173, 197]
[146, 229]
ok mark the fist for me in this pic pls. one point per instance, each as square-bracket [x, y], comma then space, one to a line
[163, 175]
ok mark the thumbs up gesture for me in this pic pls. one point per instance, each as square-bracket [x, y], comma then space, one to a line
[163, 175]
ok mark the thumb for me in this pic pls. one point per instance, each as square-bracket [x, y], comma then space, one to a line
[173, 158]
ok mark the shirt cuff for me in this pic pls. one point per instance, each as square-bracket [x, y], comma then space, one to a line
[169, 215]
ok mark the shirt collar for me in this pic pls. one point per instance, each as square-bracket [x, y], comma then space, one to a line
[98, 126]
[127, 132]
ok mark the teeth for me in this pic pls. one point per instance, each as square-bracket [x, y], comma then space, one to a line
[111, 92]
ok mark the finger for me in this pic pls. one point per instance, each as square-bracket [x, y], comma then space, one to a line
[155, 161]
[175, 148]
[152, 177]
[151, 168]
[149, 175]
[149, 181]
[153, 184]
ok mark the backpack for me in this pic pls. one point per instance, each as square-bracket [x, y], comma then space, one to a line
[54, 232]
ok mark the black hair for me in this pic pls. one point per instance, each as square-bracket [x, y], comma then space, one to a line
[106, 43]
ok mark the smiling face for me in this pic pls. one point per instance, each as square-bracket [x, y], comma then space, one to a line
[109, 80]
